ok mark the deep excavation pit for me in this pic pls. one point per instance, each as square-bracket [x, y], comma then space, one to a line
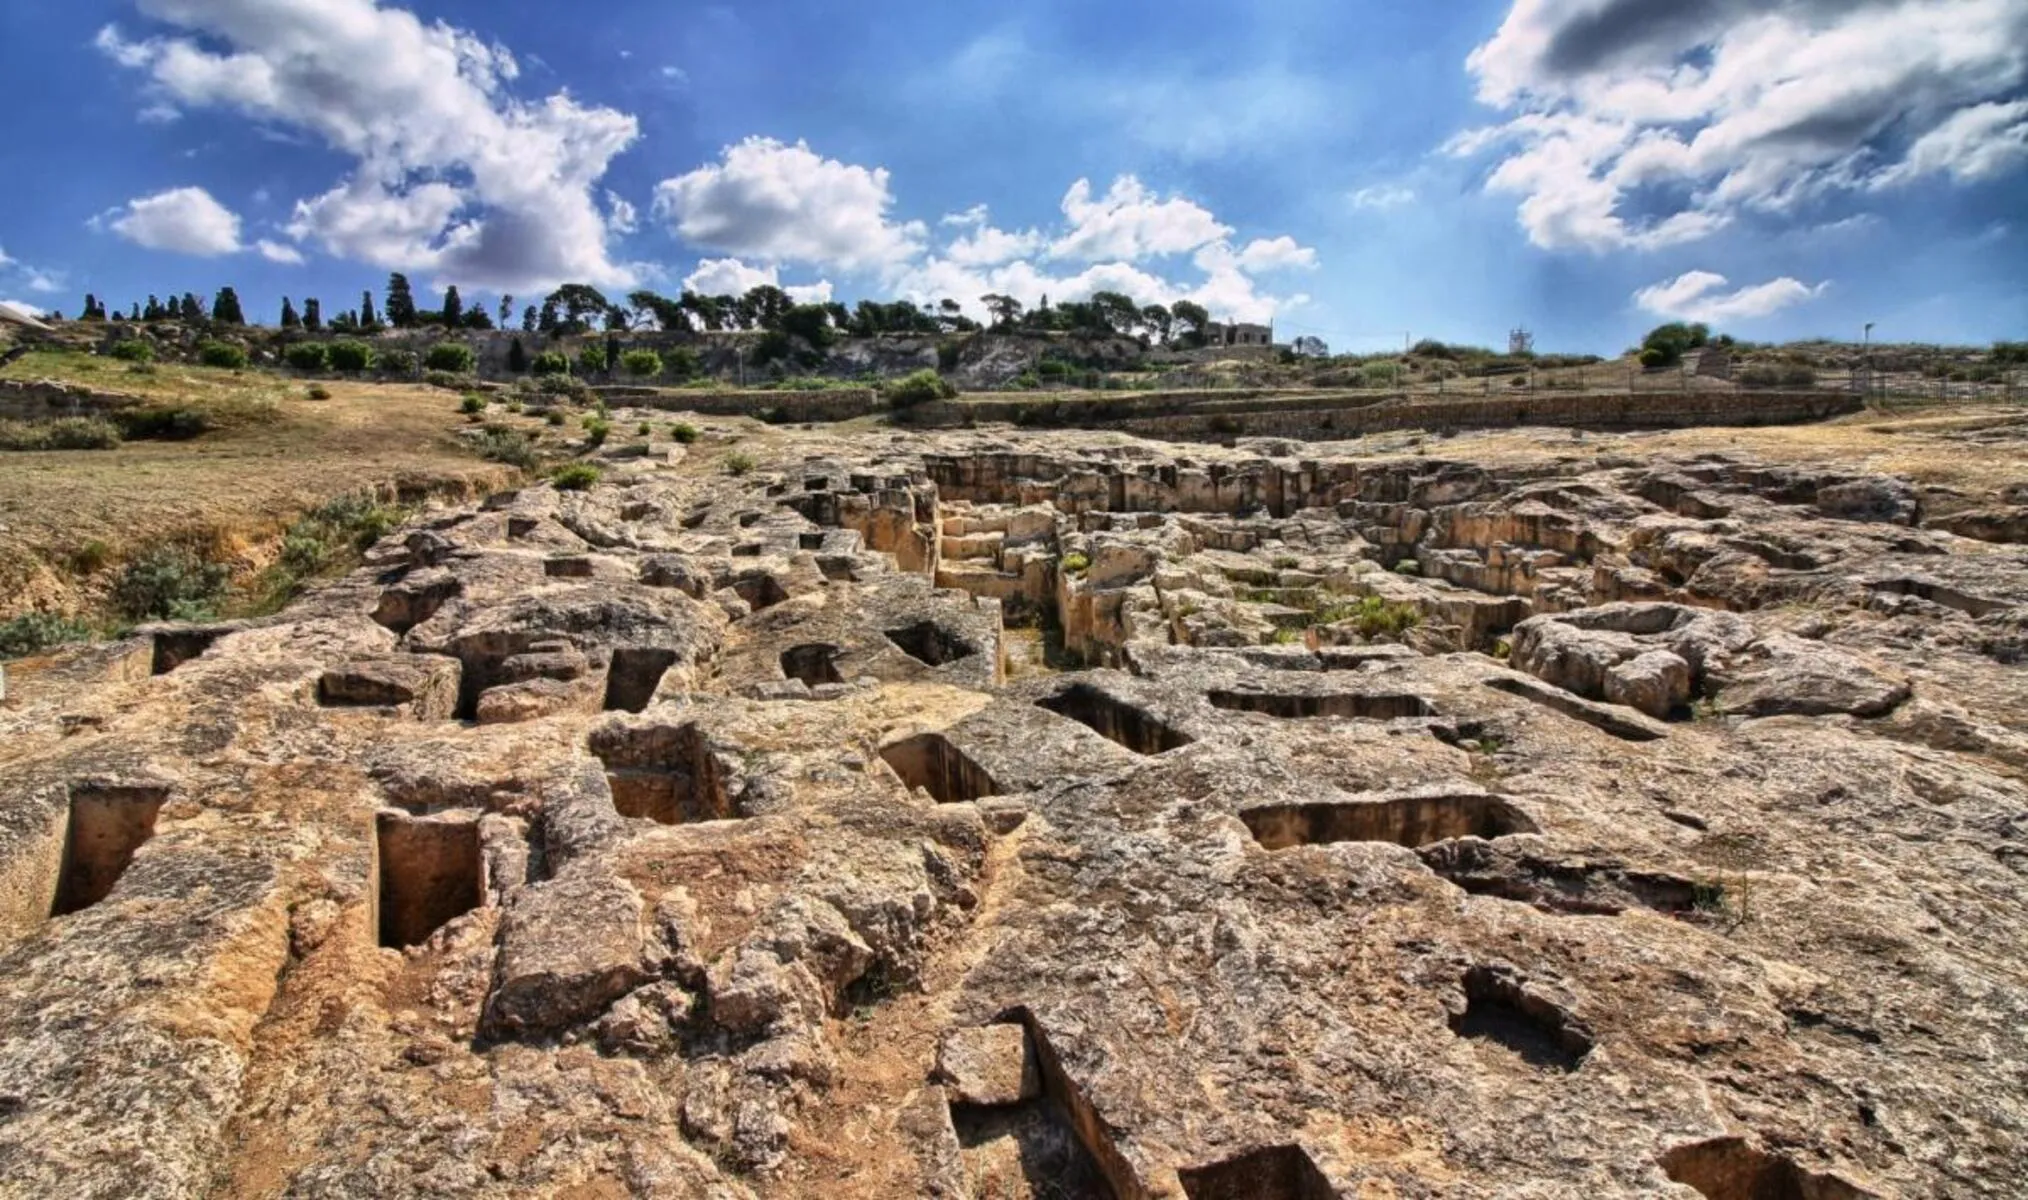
[1269, 1173]
[108, 823]
[1732, 1168]
[1298, 707]
[662, 773]
[430, 871]
[929, 761]
[1500, 1009]
[930, 643]
[1135, 728]
[174, 647]
[815, 665]
[634, 676]
[1411, 821]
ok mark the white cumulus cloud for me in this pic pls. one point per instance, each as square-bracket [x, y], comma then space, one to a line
[769, 200]
[182, 221]
[1130, 222]
[1382, 196]
[278, 252]
[731, 277]
[1634, 124]
[1700, 296]
[487, 189]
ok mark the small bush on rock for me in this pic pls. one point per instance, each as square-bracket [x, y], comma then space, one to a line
[576, 477]
[32, 633]
[170, 582]
[223, 355]
[502, 445]
[922, 387]
[134, 351]
[453, 357]
[351, 356]
[684, 432]
[308, 356]
[642, 364]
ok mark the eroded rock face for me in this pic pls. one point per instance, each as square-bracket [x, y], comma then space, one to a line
[1054, 815]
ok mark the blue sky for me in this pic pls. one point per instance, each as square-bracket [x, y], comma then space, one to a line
[1359, 171]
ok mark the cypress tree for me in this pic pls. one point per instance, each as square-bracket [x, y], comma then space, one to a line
[366, 318]
[192, 309]
[400, 309]
[313, 314]
[289, 318]
[454, 307]
[225, 309]
[517, 357]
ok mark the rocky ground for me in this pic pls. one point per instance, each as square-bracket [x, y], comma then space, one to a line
[1060, 815]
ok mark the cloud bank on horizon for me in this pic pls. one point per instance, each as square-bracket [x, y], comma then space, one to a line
[1672, 141]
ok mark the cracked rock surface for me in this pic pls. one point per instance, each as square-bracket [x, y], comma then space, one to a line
[1006, 815]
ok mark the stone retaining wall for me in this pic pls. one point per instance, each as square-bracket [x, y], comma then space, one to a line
[1344, 416]
[784, 407]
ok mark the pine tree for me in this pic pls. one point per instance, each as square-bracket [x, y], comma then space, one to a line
[225, 309]
[313, 314]
[506, 310]
[289, 318]
[547, 321]
[454, 307]
[192, 309]
[91, 309]
[400, 304]
[366, 318]
[136, 315]
[528, 319]
[154, 310]
[517, 357]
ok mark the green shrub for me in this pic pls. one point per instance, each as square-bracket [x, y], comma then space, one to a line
[1654, 358]
[1378, 374]
[32, 633]
[1373, 617]
[503, 445]
[161, 424]
[563, 385]
[1050, 368]
[308, 356]
[556, 416]
[514, 406]
[170, 582]
[64, 433]
[920, 388]
[591, 358]
[644, 428]
[1408, 566]
[223, 355]
[318, 391]
[134, 351]
[1027, 381]
[684, 432]
[398, 362]
[947, 355]
[682, 363]
[550, 362]
[447, 381]
[454, 357]
[1076, 563]
[642, 364]
[351, 356]
[739, 462]
[576, 477]
[597, 430]
[472, 405]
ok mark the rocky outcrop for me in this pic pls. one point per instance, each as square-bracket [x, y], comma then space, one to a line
[1020, 814]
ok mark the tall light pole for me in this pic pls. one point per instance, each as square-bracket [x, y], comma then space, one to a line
[1866, 356]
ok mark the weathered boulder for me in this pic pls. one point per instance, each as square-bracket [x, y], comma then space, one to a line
[569, 947]
[988, 1065]
[1657, 682]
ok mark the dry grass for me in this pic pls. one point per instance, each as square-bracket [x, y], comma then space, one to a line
[68, 517]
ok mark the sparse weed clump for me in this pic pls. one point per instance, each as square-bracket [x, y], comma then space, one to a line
[318, 391]
[597, 430]
[684, 432]
[65, 433]
[1076, 563]
[739, 462]
[510, 446]
[1373, 617]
